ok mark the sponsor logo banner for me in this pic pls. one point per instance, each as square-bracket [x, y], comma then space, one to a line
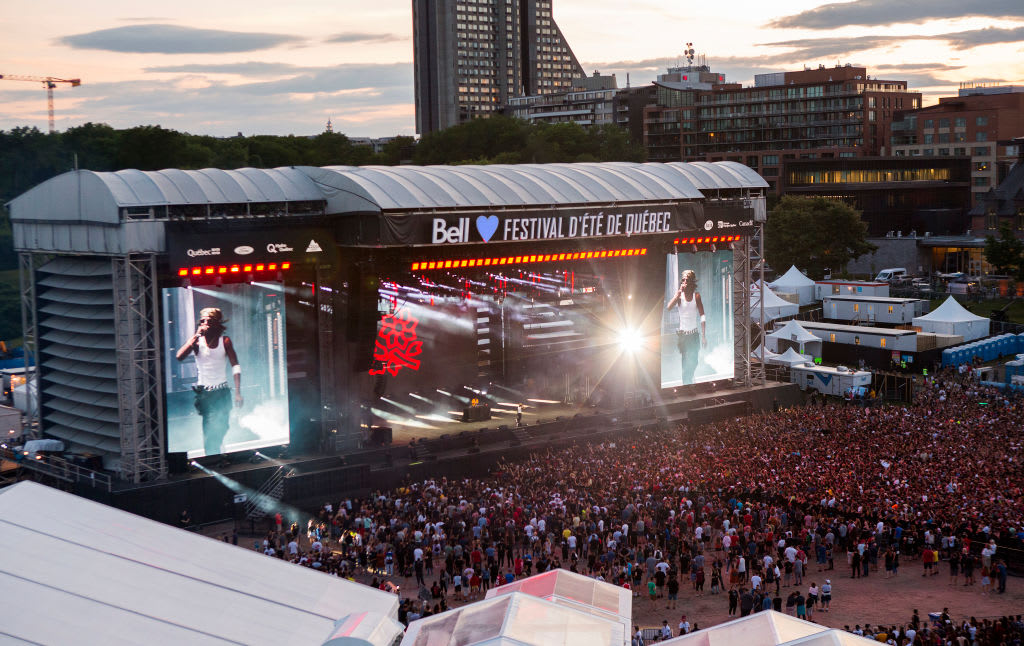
[300, 245]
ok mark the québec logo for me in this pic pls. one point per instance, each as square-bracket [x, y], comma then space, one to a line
[212, 251]
[313, 247]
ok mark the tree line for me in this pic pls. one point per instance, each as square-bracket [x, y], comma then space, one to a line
[29, 157]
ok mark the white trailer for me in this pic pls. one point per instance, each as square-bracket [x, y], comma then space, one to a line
[829, 380]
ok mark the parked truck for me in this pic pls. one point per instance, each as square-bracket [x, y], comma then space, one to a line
[839, 381]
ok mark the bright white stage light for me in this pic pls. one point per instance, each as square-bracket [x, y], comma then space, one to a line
[630, 340]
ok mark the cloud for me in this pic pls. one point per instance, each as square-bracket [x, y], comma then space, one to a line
[249, 68]
[887, 12]
[988, 36]
[361, 100]
[933, 67]
[813, 49]
[173, 39]
[295, 79]
[358, 37]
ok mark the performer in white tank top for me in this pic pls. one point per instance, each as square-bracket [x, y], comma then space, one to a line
[692, 333]
[211, 364]
[213, 351]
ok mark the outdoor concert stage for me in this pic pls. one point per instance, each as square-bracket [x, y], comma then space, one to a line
[465, 449]
[368, 305]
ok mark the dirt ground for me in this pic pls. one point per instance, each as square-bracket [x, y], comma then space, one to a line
[874, 600]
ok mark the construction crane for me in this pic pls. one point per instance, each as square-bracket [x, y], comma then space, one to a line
[49, 82]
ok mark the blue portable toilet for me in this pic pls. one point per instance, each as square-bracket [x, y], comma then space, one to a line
[947, 357]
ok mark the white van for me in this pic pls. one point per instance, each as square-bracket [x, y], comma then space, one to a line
[893, 275]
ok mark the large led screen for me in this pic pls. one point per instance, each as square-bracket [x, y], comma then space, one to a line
[225, 368]
[694, 350]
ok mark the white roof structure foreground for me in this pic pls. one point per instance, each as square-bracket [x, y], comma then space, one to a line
[81, 572]
[769, 628]
[576, 591]
[514, 619]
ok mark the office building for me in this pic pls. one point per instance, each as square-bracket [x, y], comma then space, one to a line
[473, 56]
[588, 104]
[896, 196]
[980, 123]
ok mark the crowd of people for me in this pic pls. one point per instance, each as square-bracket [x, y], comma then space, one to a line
[742, 508]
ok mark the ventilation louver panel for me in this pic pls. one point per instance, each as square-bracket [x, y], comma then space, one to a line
[75, 300]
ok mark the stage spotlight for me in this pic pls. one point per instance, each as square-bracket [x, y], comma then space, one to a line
[630, 340]
[194, 463]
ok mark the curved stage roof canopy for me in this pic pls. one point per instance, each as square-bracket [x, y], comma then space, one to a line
[97, 197]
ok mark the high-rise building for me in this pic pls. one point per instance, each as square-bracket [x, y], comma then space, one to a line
[472, 56]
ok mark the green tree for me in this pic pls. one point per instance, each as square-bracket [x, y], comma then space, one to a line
[815, 234]
[1005, 253]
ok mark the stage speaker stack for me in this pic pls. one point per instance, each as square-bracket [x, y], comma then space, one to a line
[478, 413]
[362, 318]
[380, 435]
[177, 463]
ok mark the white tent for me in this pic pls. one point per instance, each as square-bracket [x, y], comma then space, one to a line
[755, 354]
[576, 591]
[514, 619]
[774, 307]
[767, 628]
[790, 358]
[793, 335]
[794, 282]
[365, 629]
[79, 572]
[952, 318]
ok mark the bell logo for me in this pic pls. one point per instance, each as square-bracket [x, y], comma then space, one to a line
[313, 247]
[442, 233]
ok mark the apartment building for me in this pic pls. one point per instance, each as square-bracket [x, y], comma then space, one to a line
[472, 56]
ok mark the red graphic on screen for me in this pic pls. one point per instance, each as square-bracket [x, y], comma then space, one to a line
[397, 346]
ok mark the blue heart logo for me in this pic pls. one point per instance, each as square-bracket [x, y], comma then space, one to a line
[486, 225]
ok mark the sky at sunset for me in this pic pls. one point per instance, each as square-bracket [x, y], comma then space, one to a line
[259, 67]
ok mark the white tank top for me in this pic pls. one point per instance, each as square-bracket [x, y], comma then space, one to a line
[211, 363]
[687, 313]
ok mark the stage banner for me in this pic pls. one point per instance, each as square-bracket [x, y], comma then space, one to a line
[299, 245]
[539, 224]
[714, 217]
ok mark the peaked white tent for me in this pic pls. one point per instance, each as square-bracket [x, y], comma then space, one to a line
[576, 591]
[755, 354]
[793, 335]
[79, 572]
[768, 628]
[514, 619]
[790, 358]
[952, 318]
[794, 282]
[774, 307]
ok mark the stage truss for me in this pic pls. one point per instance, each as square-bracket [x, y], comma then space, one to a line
[748, 265]
[27, 265]
[140, 396]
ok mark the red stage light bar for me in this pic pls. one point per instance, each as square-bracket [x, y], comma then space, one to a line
[707, 240]
[426, 265]
[209, 270]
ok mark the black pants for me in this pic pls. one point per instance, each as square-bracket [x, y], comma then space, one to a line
[215, 408]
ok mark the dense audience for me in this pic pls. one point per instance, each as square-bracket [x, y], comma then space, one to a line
[739, 508]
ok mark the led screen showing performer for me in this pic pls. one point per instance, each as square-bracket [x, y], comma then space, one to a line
[225, 369]
[697, 324]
